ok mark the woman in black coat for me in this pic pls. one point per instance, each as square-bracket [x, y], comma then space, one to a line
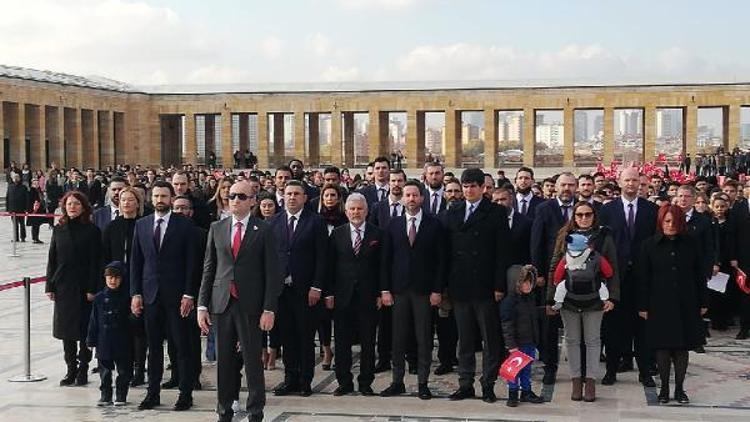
[73, 278]
[672, 297]
[723, 305]
[36, 206]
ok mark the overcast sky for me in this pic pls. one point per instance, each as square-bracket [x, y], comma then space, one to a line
[186, 41]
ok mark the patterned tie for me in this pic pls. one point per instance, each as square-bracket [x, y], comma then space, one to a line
[381, 194]
[434, 207]
[471, 211]
[524, 206]
[157, 234]
[357, 241]
[394, 214]
[290, 227]
[236, 242]
[631, 220]
[412, 231]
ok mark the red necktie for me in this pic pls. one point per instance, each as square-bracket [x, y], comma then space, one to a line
[236, 242]
[412, 231]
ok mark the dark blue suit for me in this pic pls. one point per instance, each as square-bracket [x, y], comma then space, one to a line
[303, 258]
[381, 213]
[162, 278]
[370, 193]
[102, 217]
[531, 208]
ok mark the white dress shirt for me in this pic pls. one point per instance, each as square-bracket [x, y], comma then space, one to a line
[417, 221]
[233, 229]
[353, 231]
[440, 199]
[519, 201]
[114, 212]
[296, 217]
[510, 218]
[625, 204]
[164, 224]
[468, 208]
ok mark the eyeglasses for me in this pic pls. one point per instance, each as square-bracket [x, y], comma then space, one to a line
[240, 196]
[584, 214]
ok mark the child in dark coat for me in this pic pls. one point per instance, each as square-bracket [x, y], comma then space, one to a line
[520, 318]
[109, 332]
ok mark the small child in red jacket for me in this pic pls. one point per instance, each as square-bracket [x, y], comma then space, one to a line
[582, 270]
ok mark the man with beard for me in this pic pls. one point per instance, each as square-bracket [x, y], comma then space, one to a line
[586, 190]
[599, 181]
[526, 201]
[433, 202]
[453, 193]
[548, 188]
[104, 215]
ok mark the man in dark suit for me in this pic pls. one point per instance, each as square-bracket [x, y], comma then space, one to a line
[301, 240]
[434, 202]
[239, 294]
[283, 174]
[412, 280]
[526, 202]
[586, 191]
[181, 185]
[353, 292]
[298, 173]
[740, 213]
[550, 216]
[104, 215]
[161, 283]
[520, 227]
[699, 227]
[477, 235]
[94, 189]
[17, 201]
[632, 220]
[378, 190]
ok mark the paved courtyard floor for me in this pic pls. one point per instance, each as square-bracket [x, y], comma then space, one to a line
[718, 382]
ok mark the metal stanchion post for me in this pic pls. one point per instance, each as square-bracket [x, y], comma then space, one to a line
[27, 376]
[13, 241]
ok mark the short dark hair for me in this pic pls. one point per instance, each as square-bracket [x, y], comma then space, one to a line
[415, 183]
[597, 174]
[297, 183]
[253, 179]
[381, 159]
[163, 184]
[527, 170]
[185, 197]
[119, 179]
[472, 175]
[588, 177]
[397, 171]
[332, 169]
[282, 168]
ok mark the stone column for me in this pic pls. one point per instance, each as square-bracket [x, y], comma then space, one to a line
[244, 120]
[19, 143]
[414, 138]
[209, 131]
[119, 152]
[227, 149]
[691, 130]
[42, 145]
[96, 146]
[106, 137]
[490, 139]
[336, 139]
[191, 140]
[732, 124]
[452, 147]
[262, 152]
[609, 135]
[649, 133]
[568, 137]
[59, 134]
[349, 158]
[2, 136]
[299, 135]
[33, 134]
[529, 136]
[78, 137]
[313, 147]
[278, 139]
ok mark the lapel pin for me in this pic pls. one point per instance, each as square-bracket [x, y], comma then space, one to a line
[255, 227]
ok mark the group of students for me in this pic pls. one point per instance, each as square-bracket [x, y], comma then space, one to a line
[483, 263]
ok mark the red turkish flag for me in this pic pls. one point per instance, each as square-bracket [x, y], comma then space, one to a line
[742, 281]
[512, 366]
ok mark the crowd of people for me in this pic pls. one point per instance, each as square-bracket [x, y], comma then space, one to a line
[264, 262]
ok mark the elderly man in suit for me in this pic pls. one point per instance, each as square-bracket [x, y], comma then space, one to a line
[104, 215]
[239, 294]
[477, 233]
[412, 280]
[162, 286]
[301, 245]
[353, 292]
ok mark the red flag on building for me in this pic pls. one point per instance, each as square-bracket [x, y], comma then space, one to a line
[512, 366]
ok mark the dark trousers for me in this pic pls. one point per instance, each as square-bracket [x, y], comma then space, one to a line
[414, 315]
[478, 319]
[230, 326]
[76, 354]
[325, 328]
[162, 321]
[358, 317]
[549, 349]
[447, 335]
[272, 338]
[385, 335]
[194, 340]
[140, 344]
[124, 374]
[297, 323]
[19, 227]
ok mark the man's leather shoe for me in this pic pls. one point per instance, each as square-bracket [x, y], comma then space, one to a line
[609, 378]
[285, 389]
[305, 391]
[393, 390]
[184, 402]
[531, 397]
[424, 392]
[343, 390]
[488, 394]
[149, 402]
[681, 397]
[172, 383]
[646, 380]
[366, 390]
[382, 367]
[462, 393]
[443, 369]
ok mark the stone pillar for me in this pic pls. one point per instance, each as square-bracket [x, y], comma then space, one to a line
[227, 149]
[106, 137]
[33, 135]
[529, 136]
[78, 137]
[57, 136]
[349, 158]
[209, 130]
[732, 124]
[244, 123]
[691, 130]
[262, 152]
[313, 147]
[568, 137]
[42, 146]
[96, 146]
[2, 136]
[336, 139]
[299, 135]
[119, 151]
[649, 134]
[490, 139]
[452, 147]
[191, 141]
[19, 141]
[609, 135]
[414, 138]
[278, 139]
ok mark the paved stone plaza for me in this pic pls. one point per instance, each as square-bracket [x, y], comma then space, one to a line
[718, 382]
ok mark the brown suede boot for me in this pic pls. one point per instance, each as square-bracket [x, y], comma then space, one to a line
[589, 394]
[577, 393]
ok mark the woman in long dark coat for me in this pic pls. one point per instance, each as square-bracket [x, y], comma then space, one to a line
[672, 297]
[36, 206]
[73, 278]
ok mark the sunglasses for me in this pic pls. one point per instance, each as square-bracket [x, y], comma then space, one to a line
[585, 214]
[240, 196]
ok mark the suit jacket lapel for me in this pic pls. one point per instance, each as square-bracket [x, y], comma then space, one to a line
[169, 231]
[247, 239]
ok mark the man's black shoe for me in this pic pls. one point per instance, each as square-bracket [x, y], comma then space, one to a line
[393, 390]
[305, 391]
[149, 402]
[530, 397]
[512, 398]
[646, 380]
[82, 378]
[609, 378]
[343, 390]
[184, 402]
[424, 392]
[699, 349]
[443, 369]
[664, 395]
[681, 397]
[463, 393]
[172, 383]
[488, 394]
[285, 389]
[549, 377]
[366, 390]
[382, 367]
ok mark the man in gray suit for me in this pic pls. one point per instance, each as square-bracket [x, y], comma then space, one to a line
[240, 289]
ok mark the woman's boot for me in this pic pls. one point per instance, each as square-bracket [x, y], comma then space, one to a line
[577, 393]
[589, 394]
[70, 376]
